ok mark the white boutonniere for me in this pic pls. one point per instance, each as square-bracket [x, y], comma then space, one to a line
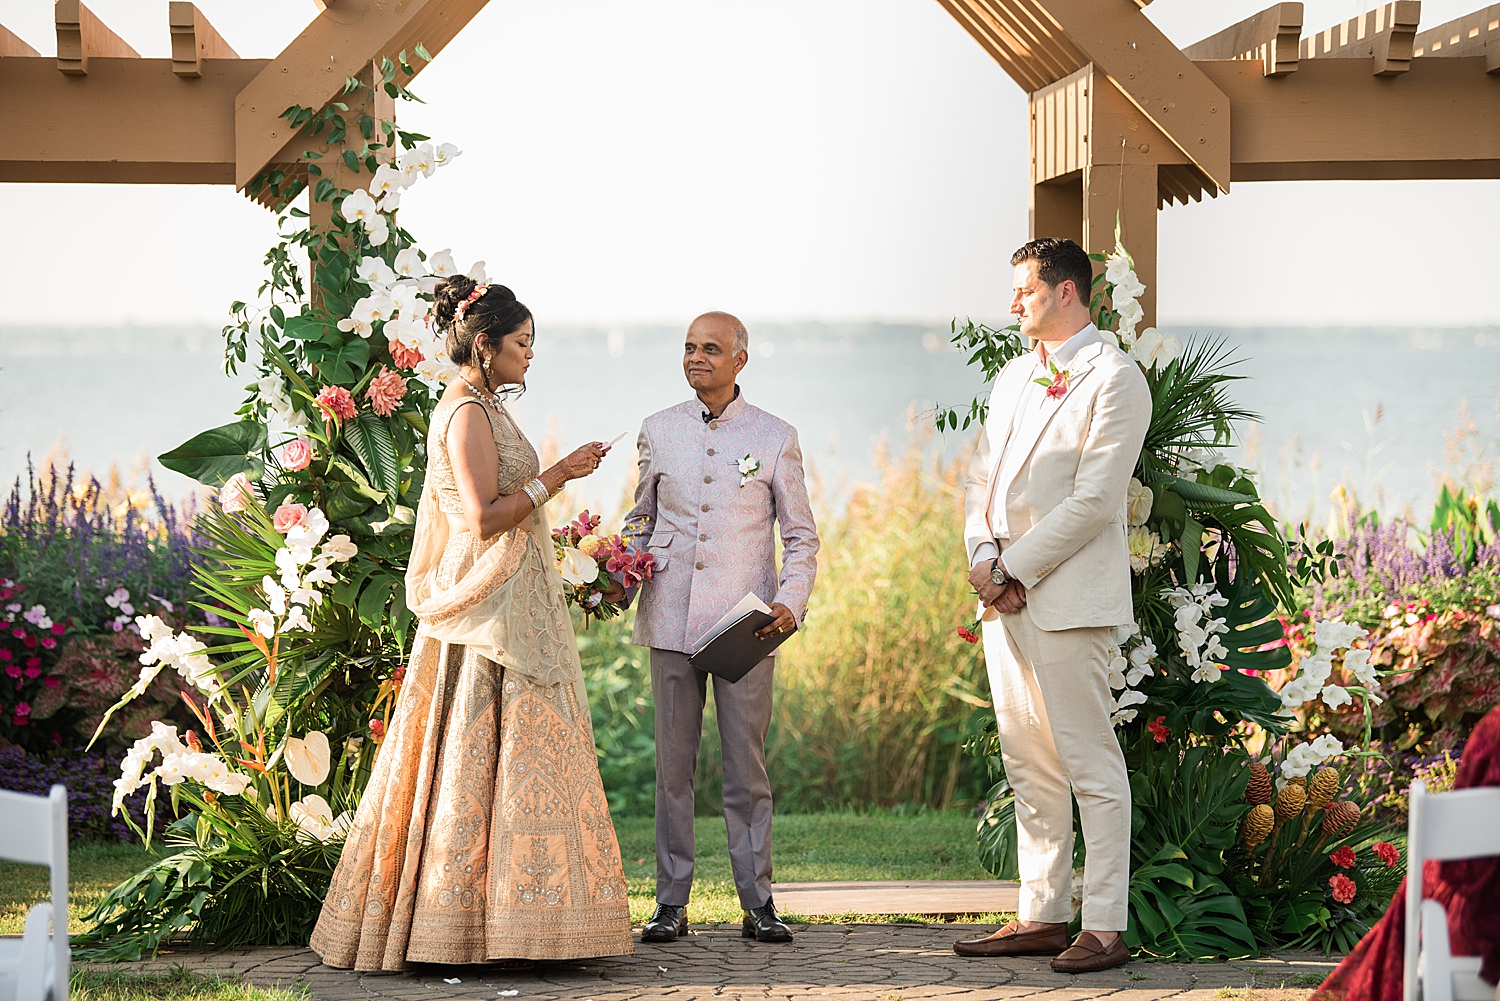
[748, 466]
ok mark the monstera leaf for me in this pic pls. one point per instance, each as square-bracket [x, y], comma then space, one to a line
[217, 454]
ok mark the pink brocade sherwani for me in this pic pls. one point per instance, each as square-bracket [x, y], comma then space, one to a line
[713, 533]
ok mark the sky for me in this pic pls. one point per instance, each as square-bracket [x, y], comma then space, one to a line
[630, 161]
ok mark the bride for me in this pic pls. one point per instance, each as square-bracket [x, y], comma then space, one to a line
[484, 833]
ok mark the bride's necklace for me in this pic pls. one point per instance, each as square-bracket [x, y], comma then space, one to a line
[491, 399]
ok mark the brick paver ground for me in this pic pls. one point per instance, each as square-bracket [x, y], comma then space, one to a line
[871, 962]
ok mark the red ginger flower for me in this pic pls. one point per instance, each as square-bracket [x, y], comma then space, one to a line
[1159, 729]
[405, 357]
[1343, 858]
[336, 402]
[1343, 888]
[1387, 853]
[385, 392]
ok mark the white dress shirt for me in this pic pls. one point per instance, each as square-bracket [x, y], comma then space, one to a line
[1030, 410]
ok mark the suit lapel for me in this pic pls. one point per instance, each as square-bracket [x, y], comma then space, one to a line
[1007, 393]
[1078, 369]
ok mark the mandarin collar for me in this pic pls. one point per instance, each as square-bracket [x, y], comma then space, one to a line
[735, 408]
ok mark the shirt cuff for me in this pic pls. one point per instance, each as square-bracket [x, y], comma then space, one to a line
[984, 551]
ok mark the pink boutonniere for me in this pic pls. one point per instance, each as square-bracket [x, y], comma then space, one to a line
[1057, 386]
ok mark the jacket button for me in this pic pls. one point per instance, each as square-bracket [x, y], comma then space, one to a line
[702, 538]
[700, 566]
[710, 451]
[705, 507]
[708, 479]
[713, 425]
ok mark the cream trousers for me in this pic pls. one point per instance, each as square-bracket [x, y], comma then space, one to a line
[1052, 702]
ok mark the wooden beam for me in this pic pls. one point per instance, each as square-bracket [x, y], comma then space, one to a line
[338, 43]
[130, 121]
[1383, 35]
[1154, 74]
[12, 44]
[1026, 42]
[1333, 120]
[1272, 37]
[81, 36]
[194, 39]
[1129, 194]
[1056, 209]
[1465, 36]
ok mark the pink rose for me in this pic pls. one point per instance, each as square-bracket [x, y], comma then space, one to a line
[385, 392]
[336, 402]
[289, 516]
[236, 493]
[296, 454]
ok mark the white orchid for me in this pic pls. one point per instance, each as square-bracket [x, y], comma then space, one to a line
[576, 568]
[358, 206]
[1121, 713]
[478, 273]
[263, 621]
[445, 154]
[386, 180]
[421, 160]
[308, 757]
[339, 548]
[378, 231]
[374, 272]
[390, 203]
[409, 263]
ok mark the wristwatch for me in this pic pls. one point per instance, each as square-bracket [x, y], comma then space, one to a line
[998, 574]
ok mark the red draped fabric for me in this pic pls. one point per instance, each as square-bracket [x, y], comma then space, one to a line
[1468, 889]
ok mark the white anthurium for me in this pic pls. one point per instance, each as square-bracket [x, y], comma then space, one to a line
[315, 820]
[1138, 501]
[441, 263]
[445, 154]
[308, 757]
[1170, 350]
[1146, 344]
[386, 180]
[576, 568]
[409, 263]
[358, 206]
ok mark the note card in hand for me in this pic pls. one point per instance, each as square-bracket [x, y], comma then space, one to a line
[731, 648]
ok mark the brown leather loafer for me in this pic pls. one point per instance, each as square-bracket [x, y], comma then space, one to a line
[1086, 955]
[1011, 941]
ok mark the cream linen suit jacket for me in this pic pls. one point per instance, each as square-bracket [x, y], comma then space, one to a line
[714, 537]
[1066, 505]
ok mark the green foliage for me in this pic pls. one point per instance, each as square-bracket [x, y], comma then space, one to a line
[1185, 804]
[238, 879]
[215, 455]
[175, 984]
[989, 348]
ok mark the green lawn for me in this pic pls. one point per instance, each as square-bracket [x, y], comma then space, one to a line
[177, 984]
[807, 848]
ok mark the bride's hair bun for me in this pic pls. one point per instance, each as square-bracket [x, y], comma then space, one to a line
[495, 313]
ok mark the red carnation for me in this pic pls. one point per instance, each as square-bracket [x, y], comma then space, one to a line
[1343, 858]
[1387, 853]
[1159, 729]
[1343, 888]
[967, 636]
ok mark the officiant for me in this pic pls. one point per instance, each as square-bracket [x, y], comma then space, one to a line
[717, 478]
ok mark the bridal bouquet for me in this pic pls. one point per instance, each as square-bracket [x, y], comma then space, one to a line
[585, 558]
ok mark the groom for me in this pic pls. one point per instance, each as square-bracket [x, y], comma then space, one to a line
[1045, 529]
[715, 475]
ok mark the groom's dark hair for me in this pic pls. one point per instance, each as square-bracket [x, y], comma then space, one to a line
[1059, 261]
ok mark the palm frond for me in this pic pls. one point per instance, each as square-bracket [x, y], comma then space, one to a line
[1190, 405]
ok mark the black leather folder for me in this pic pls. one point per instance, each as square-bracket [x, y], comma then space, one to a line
[731, 654]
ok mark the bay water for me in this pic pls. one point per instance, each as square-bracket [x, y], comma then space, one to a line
[1365, 407]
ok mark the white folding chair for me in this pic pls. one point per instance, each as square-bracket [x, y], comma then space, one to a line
[1461, 824]
[34, 830]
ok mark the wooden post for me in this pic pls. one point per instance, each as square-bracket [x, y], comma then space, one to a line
[1131, 191]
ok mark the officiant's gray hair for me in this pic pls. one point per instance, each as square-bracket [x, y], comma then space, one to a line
[741, 335]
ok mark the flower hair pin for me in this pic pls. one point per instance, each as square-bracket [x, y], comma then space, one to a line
[463, 307]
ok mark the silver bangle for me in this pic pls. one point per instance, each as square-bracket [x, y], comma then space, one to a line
[538, 492]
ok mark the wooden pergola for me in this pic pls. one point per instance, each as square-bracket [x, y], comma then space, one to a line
[1122, 121]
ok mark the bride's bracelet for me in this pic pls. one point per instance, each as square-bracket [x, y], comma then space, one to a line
[538, 492]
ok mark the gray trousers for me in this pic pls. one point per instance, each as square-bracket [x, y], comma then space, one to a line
[744, 712]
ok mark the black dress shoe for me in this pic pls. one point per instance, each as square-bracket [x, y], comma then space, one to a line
[666, 925]
[763, 924]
